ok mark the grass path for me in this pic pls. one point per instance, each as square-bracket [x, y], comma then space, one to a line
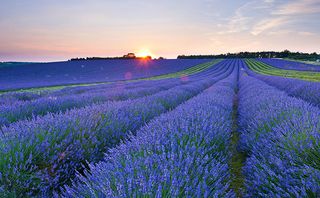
[302, 61]
[262, 68]
[238, 157]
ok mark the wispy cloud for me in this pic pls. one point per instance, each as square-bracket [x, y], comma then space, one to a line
[243, 18]
[299, 7]
[257, 17]
[268, 24]
[235, 24]
[307, 33]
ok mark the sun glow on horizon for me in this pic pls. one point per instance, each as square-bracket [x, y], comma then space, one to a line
[145, 53]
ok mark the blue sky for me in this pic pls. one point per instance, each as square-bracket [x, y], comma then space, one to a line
[46, 30]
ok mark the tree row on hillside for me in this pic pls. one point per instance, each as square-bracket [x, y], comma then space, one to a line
[265, 54]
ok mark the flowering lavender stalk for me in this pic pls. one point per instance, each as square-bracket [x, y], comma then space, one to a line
[281, 135]
[40, 155]
[183, 153]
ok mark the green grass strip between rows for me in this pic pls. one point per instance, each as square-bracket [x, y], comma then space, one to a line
[262, 68]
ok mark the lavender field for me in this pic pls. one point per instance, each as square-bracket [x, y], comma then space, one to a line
[160, 128]
[81, 72]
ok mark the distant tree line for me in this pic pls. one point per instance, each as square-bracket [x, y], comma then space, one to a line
[97, 58]
[124, 57]
[265, 54]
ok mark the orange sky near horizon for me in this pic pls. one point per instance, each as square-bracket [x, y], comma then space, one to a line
[60, 30]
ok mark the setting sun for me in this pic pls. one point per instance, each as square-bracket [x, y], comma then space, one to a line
[145, 53]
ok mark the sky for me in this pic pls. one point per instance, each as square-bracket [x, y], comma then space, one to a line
[52, 30]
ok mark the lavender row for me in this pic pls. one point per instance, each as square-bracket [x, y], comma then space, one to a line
[308, 91]
[183, 153]
[14, 96]
[281, 135]
[40, 155]
[11, 97]
[292, 65]
[26, 109]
